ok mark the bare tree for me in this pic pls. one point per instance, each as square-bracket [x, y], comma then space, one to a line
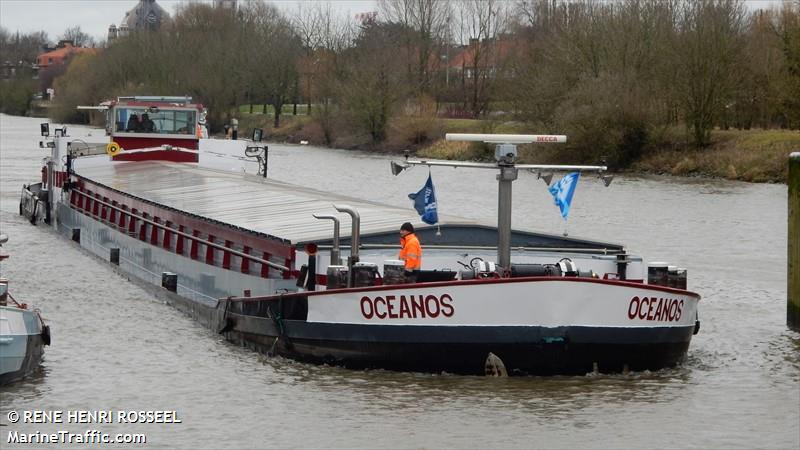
[424, 24]
[78, 37]
[371, 82]
[17, 48]
[273, 63]
[480, 23]
[788, 30]
[704, 56]
[337, 33]
[756, 100]
[307, 22]
[212, 67]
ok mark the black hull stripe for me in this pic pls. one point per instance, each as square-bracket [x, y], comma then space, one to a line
[554, 358]
[463, 350]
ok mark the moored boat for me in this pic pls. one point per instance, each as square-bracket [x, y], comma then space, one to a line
[23, 335]
[537, 303]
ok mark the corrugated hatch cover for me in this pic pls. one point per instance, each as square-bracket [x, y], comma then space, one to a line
[262, 205]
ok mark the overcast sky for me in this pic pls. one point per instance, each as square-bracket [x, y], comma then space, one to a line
[94, 16]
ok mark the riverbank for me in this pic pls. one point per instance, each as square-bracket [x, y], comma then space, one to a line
[758, 156]
[755, 155]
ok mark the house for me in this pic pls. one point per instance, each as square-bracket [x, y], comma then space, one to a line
[485, 58]
[60, 54]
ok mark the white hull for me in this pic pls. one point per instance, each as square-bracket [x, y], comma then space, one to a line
[544, 302]
[21, 343]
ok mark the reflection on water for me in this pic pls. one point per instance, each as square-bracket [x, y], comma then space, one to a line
[116, 347]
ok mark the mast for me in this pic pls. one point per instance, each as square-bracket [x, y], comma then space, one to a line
[505, 155]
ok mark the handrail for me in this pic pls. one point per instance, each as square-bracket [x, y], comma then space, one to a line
[186, 235]
[599, 250]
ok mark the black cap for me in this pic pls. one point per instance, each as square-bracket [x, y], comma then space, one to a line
[408, 227]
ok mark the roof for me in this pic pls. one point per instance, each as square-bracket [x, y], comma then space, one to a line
[495, 52]
[58, 55]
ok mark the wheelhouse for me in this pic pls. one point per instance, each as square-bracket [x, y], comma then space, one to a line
[158, 117]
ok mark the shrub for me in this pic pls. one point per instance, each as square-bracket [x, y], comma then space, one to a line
[16, 95]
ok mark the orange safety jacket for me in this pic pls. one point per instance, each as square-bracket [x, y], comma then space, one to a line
[411, 252]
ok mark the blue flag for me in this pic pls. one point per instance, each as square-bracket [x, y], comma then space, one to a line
[562, 191]
[425, 202]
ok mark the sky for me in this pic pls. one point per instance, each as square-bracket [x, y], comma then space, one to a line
[94, 16]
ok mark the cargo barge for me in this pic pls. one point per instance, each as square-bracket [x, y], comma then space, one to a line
[266, 263]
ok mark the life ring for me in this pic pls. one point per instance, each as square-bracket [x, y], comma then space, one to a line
[113, 149]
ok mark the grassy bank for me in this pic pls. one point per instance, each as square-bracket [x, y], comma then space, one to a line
[746, 155]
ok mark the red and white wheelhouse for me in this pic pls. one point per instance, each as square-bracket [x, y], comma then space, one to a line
[155, 128]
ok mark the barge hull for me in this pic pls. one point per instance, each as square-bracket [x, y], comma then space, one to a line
[463, 350]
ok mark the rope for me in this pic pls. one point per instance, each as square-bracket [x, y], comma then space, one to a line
[14, 300]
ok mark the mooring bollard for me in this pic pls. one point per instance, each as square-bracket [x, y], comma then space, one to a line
[793, 289]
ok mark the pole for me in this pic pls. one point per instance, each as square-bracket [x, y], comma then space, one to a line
[508, 173]
[793, 288]
[355, 235]
[336, 259]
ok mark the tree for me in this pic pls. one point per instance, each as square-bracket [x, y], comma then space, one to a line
[335, 35]
[80, 85]
[18, 48]
[788, 30]
[210, 48]
[424, 26]
[78, 37]
[480, 22]
[371, 84]
[704, 55]
[757, 99]
[307, 23]
[273, 65]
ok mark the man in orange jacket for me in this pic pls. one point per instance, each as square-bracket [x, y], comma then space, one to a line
[410, 252]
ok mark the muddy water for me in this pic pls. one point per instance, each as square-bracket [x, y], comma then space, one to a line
[115, 347]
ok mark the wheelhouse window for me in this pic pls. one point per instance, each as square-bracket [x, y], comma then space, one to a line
[154, 120]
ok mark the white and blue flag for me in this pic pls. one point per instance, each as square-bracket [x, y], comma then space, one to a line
[425, 202]
[562, 191]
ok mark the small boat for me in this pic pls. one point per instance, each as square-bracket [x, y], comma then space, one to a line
[23, 335]
[258, 261]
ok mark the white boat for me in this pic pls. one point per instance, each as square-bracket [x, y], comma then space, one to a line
[23, 335]
[230, 245]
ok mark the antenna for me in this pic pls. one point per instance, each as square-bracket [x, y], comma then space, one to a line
[505, 154]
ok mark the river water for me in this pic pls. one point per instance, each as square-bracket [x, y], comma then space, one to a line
[115, 347]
